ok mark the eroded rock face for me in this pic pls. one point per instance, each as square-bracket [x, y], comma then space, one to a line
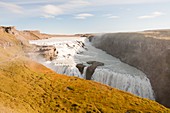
[48, 52]
[80, 67]
[151, 55]
[10, 29]
[95, 63]
[90, 70]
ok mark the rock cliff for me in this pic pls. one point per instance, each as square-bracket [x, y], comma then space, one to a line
[48, 52]
[148, 51]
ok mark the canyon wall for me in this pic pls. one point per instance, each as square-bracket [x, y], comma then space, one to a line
[148, 51]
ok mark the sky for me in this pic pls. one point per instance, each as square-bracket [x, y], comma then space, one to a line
[85, 16]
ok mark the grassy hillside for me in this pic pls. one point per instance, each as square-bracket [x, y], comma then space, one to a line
[29, 87]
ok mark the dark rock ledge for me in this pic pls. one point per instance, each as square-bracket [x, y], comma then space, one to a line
[90, 69]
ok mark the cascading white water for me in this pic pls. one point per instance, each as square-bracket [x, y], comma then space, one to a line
[84, 72]
[115, 73]
[133, 84]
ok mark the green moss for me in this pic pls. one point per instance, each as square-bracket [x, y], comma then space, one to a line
[70, 88]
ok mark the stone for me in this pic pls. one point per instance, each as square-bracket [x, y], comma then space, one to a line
[90, 70]
[48, 52]
[80, 67]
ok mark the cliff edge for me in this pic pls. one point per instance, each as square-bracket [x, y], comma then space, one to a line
[148, 51]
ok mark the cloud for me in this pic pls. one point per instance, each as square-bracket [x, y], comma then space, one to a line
[52, 10]
[111, 16]
[71, 6]
[48, 16]
[83, 16]
[29, 2]
[11, 7]
[97, 2]
[152, 15]
[115, 2]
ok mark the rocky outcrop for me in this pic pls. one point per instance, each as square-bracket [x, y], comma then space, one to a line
[90, 69]
[95, 63]
[147, 51]
[10, 29]
[48, 52]
[17, 34]
[80, 67]
[89, 36]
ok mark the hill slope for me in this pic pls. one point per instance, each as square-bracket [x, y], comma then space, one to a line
[28, 87]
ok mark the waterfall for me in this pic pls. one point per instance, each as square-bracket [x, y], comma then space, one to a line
[72, 51]
[68, 70]
[84, 72]
[134, 84]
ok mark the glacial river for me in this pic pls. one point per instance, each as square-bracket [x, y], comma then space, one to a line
[74, 50]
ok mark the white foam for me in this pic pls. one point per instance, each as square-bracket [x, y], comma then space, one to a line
[115, 73]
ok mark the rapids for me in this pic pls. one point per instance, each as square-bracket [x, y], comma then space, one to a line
[74, 50]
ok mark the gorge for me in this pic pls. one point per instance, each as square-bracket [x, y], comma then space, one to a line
[75, 52]
[148, 51]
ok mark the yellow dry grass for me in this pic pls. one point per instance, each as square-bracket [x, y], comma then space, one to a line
[30, 87]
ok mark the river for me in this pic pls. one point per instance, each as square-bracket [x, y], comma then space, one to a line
[76, 50]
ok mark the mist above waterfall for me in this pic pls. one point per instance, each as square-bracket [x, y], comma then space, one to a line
[73, 50]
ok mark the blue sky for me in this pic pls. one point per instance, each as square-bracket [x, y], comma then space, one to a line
[85, 16]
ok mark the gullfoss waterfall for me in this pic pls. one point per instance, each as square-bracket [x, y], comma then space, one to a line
[103, 67]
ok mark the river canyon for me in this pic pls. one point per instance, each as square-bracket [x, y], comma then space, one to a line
[75, 56]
